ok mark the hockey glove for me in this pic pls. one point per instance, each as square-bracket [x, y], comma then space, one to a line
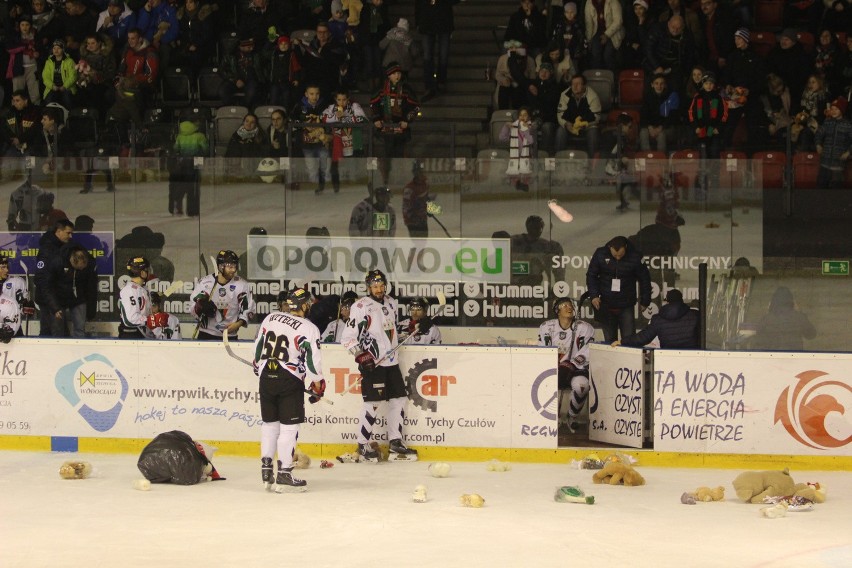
[318, 388]
[6, 334]
[205, 307]
[366, 362]
[412, 325]
[568, 365]
[160, 319]
[424, 325]
[28, 308]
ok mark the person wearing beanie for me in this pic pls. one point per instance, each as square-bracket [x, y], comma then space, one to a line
[59, 77]
[833, 144]
[192, 47]
[568, 34]
[744, 80]
[708, 114]
[284, 73]
[789, 61]
[637, 29]
[243, 71]
[543, 98]
[398, 46]
[337, 24]
[393, 108]
[676, 326]
[514, 72]
[719, 26]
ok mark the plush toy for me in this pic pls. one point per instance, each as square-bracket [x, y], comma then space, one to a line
[706, 494]
[301, 460]
[75, 470]
[755, 486]
[813, 491]
[578, 126]
[617, 473]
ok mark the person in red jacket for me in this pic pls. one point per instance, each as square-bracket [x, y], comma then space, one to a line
[140, 63]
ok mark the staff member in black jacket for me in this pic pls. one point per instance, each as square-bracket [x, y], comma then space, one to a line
[614, 271]
[676, 325]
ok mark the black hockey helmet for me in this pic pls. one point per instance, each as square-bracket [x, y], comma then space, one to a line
[557, 304]
[421, 303]
[156, 299]
[4, 261]
[297, 298]
[137, 264]
[376, 276]
[348, 298]
[227, 257]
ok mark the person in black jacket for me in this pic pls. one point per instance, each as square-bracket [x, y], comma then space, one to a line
[435, 23]
[614, 271]
[67, 289]
[676, 325]
[48, 247]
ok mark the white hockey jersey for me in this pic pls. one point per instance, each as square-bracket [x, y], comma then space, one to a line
[573, 343]
[333, 331]
[372, 328]
[14, 288]
[293, 341]
[10, 313]
[170, 331]
[134, 304]
[233, 302]
[432, 337]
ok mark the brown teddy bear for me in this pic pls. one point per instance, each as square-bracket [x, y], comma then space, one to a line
[755, 486]
[617, 473]
[707, 494]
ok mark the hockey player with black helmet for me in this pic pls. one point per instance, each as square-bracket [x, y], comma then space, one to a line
[14, 289]
[223, 300]
[134, 300]
[334, 330]
[371, 335]
[572, 338]
[420, 324]
[287, 359]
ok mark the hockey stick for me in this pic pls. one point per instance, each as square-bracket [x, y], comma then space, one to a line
[442, 303]
[230, 351]
[27, 282]
[339, 302]
[446, 232]
[173, 287]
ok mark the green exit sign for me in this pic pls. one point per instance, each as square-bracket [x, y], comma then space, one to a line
[835, 267]
[520, 268]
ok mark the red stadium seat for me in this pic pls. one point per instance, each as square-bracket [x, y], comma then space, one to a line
[805, 170]
[685, 166]
[762, 43]
[612, 117]
[631, 86]
[841, 37]
[650, 167]
[769, 14]
[769, 169]
[807, 40]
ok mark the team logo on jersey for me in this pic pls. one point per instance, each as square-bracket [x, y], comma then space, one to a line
[222, 292]
[545, 396]
[96, 388]
[803, 410]
[233, 287]
[272, 365]
[562, 335]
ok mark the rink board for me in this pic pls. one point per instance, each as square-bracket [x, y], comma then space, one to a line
[480, 397]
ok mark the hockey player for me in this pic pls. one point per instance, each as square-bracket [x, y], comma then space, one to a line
[420, 324]
[162, 325]
[223, 301]
[10, 319]
[334, 330]
[134, 301]
[572, 337]
[286, 356]
[371, 335]
[15, 289]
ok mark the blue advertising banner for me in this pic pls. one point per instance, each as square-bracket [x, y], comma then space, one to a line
[21, 248]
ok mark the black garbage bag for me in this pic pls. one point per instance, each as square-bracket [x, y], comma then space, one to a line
[173, 457]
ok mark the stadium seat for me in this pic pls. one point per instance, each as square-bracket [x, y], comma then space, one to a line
[602, 82]
[650, 167]
[631, 87]
[158, 131]
[227, 43]
[209, 84]
[491, 164]
[769, 14]
[83, 124]
[733, 169]
[768, 168]
[498, 119]
[841, 37]
[762, 43]
[612, 117]
[175, 88]
[226, 121]
[807, 40]
[685, 167]
[805, 170]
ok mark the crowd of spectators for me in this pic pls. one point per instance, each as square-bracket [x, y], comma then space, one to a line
[716, 73]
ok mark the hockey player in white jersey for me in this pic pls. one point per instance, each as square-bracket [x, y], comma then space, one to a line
[286, 358]
[10, 319]
[420, 324]
[334, 331]
[223, 301]
[572, 337]
[162, 325]
[134, 301]
[15, 289]
[371, 335]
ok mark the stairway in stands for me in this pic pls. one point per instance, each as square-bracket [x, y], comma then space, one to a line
[467, 102]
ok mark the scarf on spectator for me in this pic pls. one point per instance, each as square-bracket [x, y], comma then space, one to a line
[246, 135]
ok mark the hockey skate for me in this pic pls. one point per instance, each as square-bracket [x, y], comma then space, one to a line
[398, 451]
[266, 473]
[368, 453]
[285, 482]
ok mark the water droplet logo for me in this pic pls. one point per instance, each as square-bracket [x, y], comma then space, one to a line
[803, 410]
[95, 388]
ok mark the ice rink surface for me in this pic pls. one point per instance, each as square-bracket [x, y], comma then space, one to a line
[363, 515]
